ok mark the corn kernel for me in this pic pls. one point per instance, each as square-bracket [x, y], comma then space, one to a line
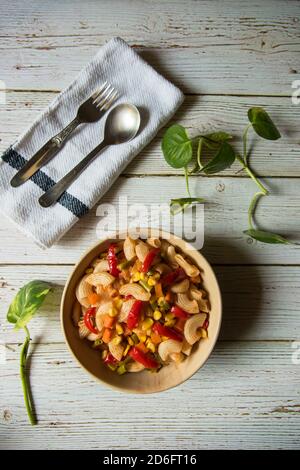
[156, 276]
[104, 354]
[142, 338]
[151, 281]
[169, 316]
[113, 312]
[146, 324]
[149, 332]
[161, 300]
[143, 277]
[150, 346]
[89, 271]
[126, 350]
[136, 277]
[119, 329]
[118, 302]
[157, 315]
[117, 340]
[130, 341]
[204, 333]
[170, 323]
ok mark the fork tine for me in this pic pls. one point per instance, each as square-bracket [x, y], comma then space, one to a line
[109, 103]
[99, 91]
[102, 94]
[101, 100]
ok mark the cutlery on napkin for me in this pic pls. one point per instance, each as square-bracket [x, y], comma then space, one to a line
[137, 83]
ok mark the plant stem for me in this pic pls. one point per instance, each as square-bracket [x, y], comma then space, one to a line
[24, 378]
[186, 174]
[252, 175]
[245, 135]
[252, 206]
[199, 150]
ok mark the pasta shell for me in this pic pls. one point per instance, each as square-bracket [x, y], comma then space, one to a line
[93, 336]
[190, 269]
[83, 330]
[184, 302]
[101, 266]
[129, 248]
[203, 305]
[186, 348]
[177, 357]
[192, 332]
[134, 367]
[116, 350]
[168, 347]
[181, 287]
[137, 291]
[104, 279]
[141, 250]
[102, 310]
[155, 242]
[125, 309]
[171, 255]
[162, 268]
[197, 294]
[83, 290]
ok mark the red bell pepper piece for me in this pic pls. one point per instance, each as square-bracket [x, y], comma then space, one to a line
[89, 314]
[166, 331]
[173, 276]
[149, 260]
[113, 260]
[134, 314]
[143, 358]
[110, 359]
[179, 312]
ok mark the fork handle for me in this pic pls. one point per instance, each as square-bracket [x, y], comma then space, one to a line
[44, 154]
[54, 193]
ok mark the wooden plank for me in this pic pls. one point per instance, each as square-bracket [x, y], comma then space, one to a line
[260, 302]
[236, 47]
[246, 396]
[198, 114]
[225, 219]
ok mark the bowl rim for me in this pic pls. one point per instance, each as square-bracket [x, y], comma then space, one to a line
[113, 236]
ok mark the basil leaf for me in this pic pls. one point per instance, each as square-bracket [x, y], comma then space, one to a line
[179, 205]
[26, 302]
[224, 158]
[177, 147]
[267, 237]
[213, 140]
[263, 124]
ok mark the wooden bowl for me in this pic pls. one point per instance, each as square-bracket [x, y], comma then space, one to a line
[143, 382]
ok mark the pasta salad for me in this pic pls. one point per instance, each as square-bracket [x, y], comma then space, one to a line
[142, 305]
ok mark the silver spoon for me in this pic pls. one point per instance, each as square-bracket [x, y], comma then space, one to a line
[122, 125]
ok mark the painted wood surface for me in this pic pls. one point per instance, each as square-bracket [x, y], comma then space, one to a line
[226, 56]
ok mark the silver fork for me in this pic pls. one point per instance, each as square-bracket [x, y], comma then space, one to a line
[89, 111]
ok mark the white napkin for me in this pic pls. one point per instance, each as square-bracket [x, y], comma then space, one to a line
[137, 83]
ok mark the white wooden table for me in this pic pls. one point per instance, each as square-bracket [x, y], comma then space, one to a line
[226, 56]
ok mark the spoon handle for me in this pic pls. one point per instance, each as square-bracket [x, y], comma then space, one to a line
[54, 193]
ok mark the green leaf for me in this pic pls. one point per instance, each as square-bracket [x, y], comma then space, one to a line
[179, 205]
[213, 140]
[177, 147]
[263, 124]
[224, 158]
[26, 302]
[267, 237]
